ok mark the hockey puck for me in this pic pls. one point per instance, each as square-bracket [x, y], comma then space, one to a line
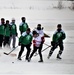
[12, 62]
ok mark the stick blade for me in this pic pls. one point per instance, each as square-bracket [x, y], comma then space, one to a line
[45, 35]
[5, 53]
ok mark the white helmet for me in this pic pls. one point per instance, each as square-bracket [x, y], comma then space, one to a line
[13, 18]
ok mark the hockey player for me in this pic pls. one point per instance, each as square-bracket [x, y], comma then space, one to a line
[57, 40]
[13, 32]
[25, 41]
[2, 31]
[39, 30]
[7, 33]
[37, 44]
[23, 26]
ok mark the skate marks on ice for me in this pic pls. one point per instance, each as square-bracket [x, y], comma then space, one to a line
[13, 54]
[48, 61]
[58, 61]
[55, 61]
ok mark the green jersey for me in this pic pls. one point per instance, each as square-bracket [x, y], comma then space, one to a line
[25, 38]
[59, 36]
[7, 30]
[23, 27]
[2, 29]
[13, 29]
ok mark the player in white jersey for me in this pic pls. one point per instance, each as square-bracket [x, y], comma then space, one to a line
[37, 44]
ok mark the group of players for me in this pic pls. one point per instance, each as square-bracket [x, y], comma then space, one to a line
[8, 31]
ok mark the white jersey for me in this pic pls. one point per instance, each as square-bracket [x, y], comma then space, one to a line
[40, 32]
[37, 41]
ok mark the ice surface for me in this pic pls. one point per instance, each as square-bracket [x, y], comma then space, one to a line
[49, 19]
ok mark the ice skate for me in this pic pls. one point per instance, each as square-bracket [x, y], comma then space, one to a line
[40, 61]
[58, 57]
[29, 59]
[19, 58]
[48, 57]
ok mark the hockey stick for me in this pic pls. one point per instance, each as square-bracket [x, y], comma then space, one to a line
[37, 53]
[43, 50]
[45, 35]
[10, 51]
[46, 44]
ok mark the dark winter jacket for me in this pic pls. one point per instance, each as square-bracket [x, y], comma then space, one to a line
[25, 38]
[23, 27]
[7, 30]
[59, 36]
[2, 29]
[13, 29]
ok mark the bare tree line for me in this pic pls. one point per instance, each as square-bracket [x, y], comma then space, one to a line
[38, 4]
[60, 6]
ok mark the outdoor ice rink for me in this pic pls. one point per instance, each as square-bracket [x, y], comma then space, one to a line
[49, 20]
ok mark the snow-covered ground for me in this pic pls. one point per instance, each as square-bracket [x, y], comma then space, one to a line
[49, 20]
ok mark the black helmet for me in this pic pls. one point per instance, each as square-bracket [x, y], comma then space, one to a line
[39, 25]
[28, 29]
[2, 19]
[7, 21]
[23, 18]
[59, 25]
[34, 32]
